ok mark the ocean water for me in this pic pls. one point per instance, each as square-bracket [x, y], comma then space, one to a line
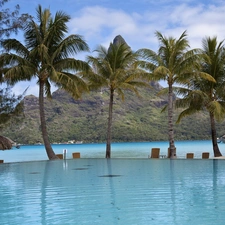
[116, 191]
[119, 150]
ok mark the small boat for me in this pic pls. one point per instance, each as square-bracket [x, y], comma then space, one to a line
[221, 139]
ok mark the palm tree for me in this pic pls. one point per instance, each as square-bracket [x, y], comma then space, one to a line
[47, 56]
[175, 64]
[114, 68]
[204, 94]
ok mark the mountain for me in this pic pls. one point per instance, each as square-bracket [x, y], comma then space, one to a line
[135, 119]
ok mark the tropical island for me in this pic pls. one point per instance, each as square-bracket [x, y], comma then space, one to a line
[135, 119]
[100, 86]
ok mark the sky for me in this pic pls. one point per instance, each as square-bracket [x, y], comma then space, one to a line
[99, 21]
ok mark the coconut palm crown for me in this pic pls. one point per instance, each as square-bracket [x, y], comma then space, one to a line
[201, 94]
[115, 69]
[47, 56]
[175, 63]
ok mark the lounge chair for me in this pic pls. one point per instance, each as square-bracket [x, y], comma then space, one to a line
[60, 156]
[76, 155]
[155, 153]
[190, 155]
[205, 155]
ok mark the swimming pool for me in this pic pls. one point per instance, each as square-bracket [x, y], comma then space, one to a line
[113, 191]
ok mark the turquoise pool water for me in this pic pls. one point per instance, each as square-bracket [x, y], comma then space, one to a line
[111, 192]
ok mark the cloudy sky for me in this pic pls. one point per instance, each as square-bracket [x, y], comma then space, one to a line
[99, 21]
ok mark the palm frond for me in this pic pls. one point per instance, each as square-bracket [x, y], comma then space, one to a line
[185, 113]
[217, 110]
[71, 45]
[15, 46]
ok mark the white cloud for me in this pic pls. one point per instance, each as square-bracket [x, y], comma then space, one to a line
[31, 86]
[20, 87]
[199, 21]
[100, 25]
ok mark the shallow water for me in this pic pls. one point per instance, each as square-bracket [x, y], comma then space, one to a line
[119, 150]
[115, 191]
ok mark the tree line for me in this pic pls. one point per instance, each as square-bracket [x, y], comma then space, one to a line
[48, 55]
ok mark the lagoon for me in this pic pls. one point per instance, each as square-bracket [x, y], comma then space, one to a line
[119, 150]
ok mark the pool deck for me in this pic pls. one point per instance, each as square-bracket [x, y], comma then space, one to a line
[220, 157]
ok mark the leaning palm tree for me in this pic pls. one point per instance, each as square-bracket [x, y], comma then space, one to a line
[174, 63]
[204, 94]
[114, 68]
[46, 56]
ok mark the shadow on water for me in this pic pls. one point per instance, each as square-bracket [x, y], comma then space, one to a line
[215, 180]
[112, 191]
[110, 177]
[44, 192]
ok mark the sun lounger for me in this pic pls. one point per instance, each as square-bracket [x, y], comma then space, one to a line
[76, 155]
[155, 153]
[60, 156]
[205, 155]
[190, 155]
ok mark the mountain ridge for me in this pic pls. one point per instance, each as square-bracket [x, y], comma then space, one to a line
[85, 120]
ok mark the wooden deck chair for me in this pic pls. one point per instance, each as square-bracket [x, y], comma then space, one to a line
[76, 155]
[155, 153]
[190, 155]
[205, 155]
[60, 156]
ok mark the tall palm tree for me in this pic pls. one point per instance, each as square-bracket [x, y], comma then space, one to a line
[204, 94]
[174, 63]
[46, 56]
[114, 68]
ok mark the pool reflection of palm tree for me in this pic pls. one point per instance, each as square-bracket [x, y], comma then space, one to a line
[215, 181]
[113, 193]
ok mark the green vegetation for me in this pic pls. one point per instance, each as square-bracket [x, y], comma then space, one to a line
[101, 116]
[207, 95]
[174, 63]
[10, 105]
[10, 22]
[115, 69]
[135, 119]
[46, 56]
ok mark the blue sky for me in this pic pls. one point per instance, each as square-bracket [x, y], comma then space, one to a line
[99, 21]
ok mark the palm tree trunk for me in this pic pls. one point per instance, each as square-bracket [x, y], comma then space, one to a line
[109, 129]
[216, 149]
[172, 148]
[51, 154]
